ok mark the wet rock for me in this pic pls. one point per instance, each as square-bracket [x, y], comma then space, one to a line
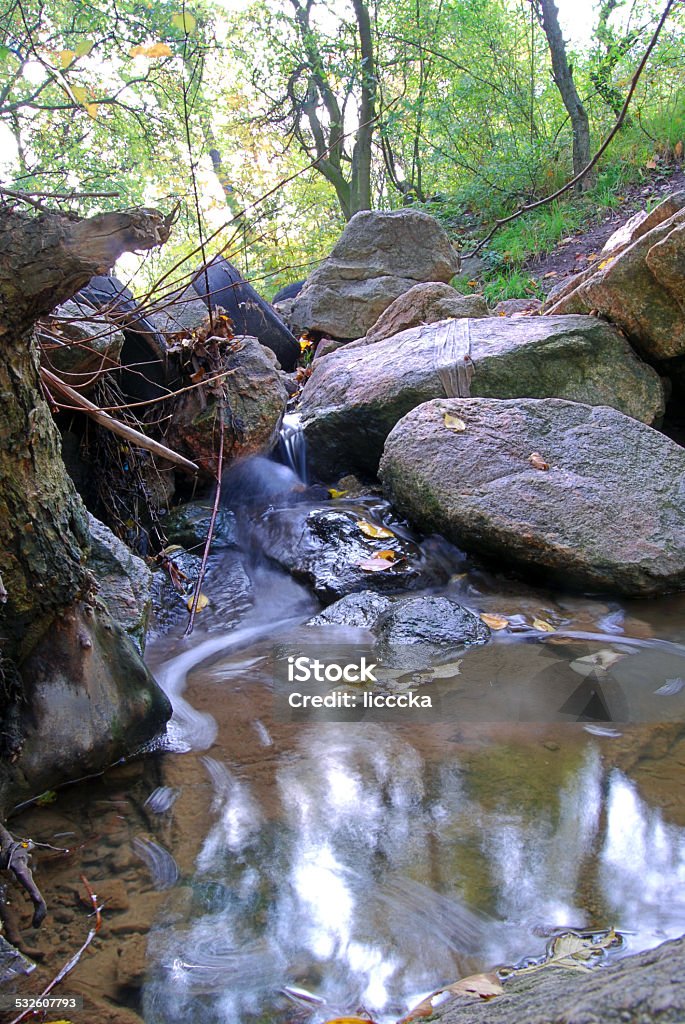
[125, 582]
[377, 258]
[354, 397]
[188, 526]
[360, 611]
[256, 400]
[425, 304]
[639, 288]
[227, 587]
[510, 307]
[417, 632]
[12, 962]
[117, 704]
[608, 513]
[648, 987]
[76, 342]
[324, 547]
[132, 962]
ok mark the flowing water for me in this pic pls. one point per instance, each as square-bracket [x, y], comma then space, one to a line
[261, 870]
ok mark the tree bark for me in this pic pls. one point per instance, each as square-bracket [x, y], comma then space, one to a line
[563, 77]
[57, 640]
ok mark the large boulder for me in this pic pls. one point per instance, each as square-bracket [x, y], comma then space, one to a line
[377, 258]
[256, 400]
[356, 396]
[78, 343]
[640, 288]
[586, 496]
[424, 304]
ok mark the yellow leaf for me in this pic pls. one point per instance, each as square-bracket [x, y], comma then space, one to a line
[550, 273]
[202, 602]
[349, 1020]
[92, 109]
[336, 494]
[495, 621]
[537, 462]
[137, 51]
[65, 57]
[453, 423]
[184, 22]
[80, 94]
[543, 626]
[371, 530]
[388, 555]
[605, 263]
[158, 50]
[84, 47]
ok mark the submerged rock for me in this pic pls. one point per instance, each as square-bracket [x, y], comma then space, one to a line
[585, 495]
[356, 396]
[378, 257]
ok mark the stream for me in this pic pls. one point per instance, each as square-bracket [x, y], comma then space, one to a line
[266, 870]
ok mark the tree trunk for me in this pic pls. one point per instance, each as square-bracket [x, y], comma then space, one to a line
[563, 77]
[64, 711]
[360, 185]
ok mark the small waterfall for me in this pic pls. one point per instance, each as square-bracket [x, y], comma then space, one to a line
[293, 445]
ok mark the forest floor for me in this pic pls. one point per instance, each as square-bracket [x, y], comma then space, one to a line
[575, 252]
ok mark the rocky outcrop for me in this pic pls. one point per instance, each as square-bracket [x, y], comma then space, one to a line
[642, 222]
[648, 987]
[78, 343]
[124, 581]
[586, 496]
[355, 396]
[516, 307]
[378, 257]
[256, 400]
[424, 304]
[640, 287]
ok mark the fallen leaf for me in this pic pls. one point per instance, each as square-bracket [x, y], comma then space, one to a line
[591, 256]
[550, 273]
[336, 494]
[371, 530]
[651, 165]
[605, 263]
[202, 602]
[349, 1020]
[537, 462]
[543, 626]
[375, 564]
[389, 555]
[453, 423]
[678, 150]
[481, 986]
[494, 621]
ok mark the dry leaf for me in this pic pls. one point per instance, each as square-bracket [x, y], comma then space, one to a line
[494, 621]
[349, 1020]
[482, 986]
[537, 462]
[375, 564]
[591, 256]
[202, 602]
[678, 150]
[371, 530]
[453, 423]
[550, 273]
[543, 626]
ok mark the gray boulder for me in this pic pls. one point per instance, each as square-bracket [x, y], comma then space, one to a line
[586, 496]
[358, 611]
[640, 288]
[420, 631]
[77, 343]
[424, 304]
[124, 580]
[356, 396]
[378, 257]
[516, 307]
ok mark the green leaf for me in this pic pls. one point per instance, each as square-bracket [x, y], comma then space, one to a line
[84, 47]
[4, 53]
[184, 22]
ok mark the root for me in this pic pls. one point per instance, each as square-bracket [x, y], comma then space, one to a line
[15, 856]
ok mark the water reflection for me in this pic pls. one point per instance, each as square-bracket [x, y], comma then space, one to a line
[386, 871]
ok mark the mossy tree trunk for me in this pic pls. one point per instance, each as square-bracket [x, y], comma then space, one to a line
[58, 646]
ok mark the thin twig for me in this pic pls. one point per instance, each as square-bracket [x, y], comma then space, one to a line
[600, 152]
[212, 523]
